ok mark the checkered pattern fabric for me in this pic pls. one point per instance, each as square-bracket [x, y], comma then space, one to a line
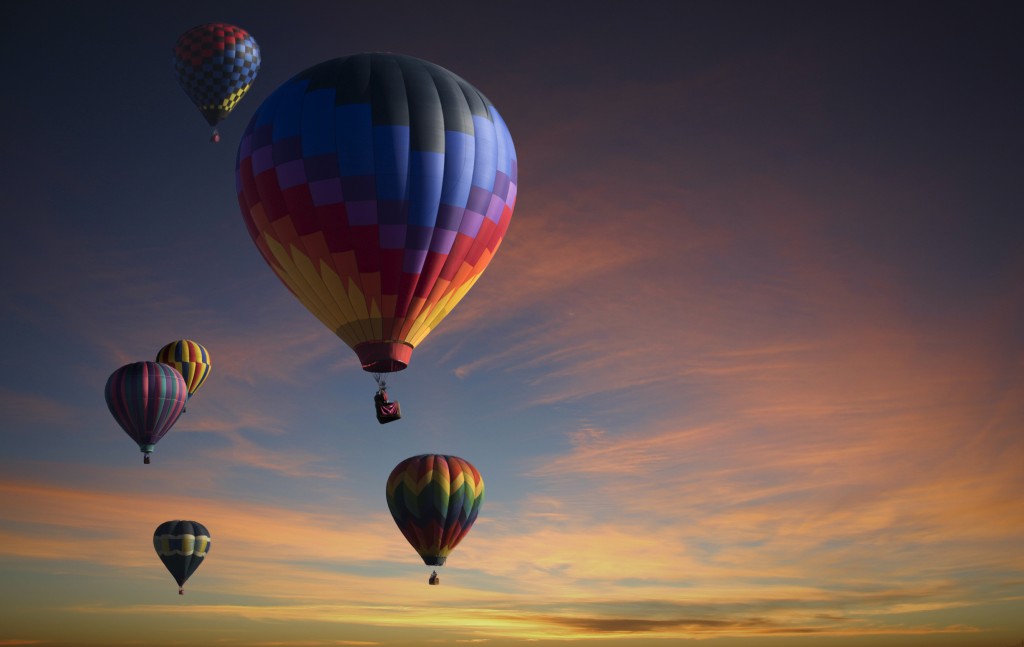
[378, 187]
[216, 64]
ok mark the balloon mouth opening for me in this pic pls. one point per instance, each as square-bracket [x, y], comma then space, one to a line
[434, 560]
[383, 356]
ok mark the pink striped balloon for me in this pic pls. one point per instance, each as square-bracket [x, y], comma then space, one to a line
[146, 399]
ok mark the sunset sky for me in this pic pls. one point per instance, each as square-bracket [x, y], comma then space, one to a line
[747, 369]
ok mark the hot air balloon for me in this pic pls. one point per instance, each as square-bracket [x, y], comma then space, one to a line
[192, 360]
[146, 399]
[182, 546]
[378, 188]
[435, 499]
[216, 64]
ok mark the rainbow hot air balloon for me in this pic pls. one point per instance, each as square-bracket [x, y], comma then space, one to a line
[378, 188]
[216, 64]
[182, 546]
[192, 360]
[435, 499]
[146, 399]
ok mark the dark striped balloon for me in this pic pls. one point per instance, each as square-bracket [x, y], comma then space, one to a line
[182, 546]
[435, 499]
[146, 399]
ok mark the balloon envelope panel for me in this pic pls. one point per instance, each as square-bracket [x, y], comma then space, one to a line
[146, 399]
[181, 546]
[435, 499]
[192, 360]
[377, 187]
[216, 64]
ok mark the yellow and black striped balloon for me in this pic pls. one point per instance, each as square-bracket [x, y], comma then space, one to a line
[191, 360]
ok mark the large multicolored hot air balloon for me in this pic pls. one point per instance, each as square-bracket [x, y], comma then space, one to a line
[378, 188]
[182, 546]
[216, 64]
[192, 360]
[146, 399]
[435, 499]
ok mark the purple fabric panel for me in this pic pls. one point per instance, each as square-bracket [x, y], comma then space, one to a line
[393, 212]
[245, 148]
[494, 209]
[362, 213]
[359, 188]
[291, 173]
[442, 241]
[326, 192]
[471, 222]
[418, 237]
[262, 159]
[501, 183]
[321, 167]
[449, 217]
[288, 149]
[262, 136]
[478, 200]
[412, 262]
[392, 236]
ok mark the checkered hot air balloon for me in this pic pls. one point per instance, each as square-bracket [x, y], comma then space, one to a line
[182, 546]
[378, 188]
[216, 64]
[191, 359]
[146, 399]
[434, 500]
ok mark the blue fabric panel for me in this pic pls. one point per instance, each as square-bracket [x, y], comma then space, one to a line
[288, 115]
[391, 161]
[318, 123]
[486, 151]
[426, 174]
[459, 149]
[505, 150]
[354, 132]
[265, 113]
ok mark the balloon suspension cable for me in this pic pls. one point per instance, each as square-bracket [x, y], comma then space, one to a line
[382, 382]
[215, 137]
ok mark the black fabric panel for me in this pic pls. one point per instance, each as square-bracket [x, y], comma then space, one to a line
[322, 75]
[164, 528]
[478, 103]
[352, 83]
[457, 115]
[388, 103]
[426, 120]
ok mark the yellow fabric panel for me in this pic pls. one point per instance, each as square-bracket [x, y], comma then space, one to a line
[288, 274]
[350, 334]
[316, 285]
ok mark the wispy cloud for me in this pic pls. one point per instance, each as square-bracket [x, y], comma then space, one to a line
[21, 407]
